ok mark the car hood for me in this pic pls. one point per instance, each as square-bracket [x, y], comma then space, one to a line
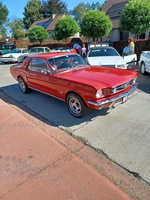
[100, 76]
[12, 54]
[105, 61]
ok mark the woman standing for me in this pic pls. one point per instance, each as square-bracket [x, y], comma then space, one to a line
[131, 44]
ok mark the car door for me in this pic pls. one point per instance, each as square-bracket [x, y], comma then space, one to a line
[38, 75]
[129, 56]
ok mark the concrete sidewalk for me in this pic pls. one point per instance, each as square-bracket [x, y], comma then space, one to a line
[34, 165]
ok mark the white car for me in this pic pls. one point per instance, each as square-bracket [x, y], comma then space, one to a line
[13, 55]
[109, 57]
[32, 51]
[144, 62]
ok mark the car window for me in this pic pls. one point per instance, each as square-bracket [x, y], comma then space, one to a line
[102, 52]
[40, 50]
[127, 51]
[25, 51]
[32, 50]
[67, 62]
[7, 46]
[16, 51]
[47, 50]
[37, 65]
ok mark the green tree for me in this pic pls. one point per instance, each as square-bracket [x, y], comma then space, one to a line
[79, 10]
[19, 34]
[50, 7]
[32, 12]
[37, 34]
[3, 32]
[3, 20]
[4, 13]
[95, 24]
[14, 25]
[135, 17]
[65, 27]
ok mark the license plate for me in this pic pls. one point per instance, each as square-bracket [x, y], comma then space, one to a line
[124, 99]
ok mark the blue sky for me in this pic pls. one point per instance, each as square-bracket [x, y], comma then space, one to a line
[16, 7]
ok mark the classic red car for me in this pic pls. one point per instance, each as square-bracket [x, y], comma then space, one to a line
[68, 77]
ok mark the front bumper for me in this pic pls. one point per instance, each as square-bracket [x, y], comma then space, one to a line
[2, 59]
[110, 102]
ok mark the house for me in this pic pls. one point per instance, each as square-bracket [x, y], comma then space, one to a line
[49, 23]
[113, 9]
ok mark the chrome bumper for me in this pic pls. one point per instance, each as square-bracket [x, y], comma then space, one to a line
[121, 97]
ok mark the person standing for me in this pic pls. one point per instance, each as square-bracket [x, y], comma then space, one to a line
[83, 51]
[110, 43]
[78, 48]
[131, 44]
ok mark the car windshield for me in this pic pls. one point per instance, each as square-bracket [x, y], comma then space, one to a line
[61, 49]
[38, 50]
[16, 51]
[7, 47]
[68, 62]
[95, 52]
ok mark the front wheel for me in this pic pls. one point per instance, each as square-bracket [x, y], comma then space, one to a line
[23, 86]
[143, 68]
[77, 106]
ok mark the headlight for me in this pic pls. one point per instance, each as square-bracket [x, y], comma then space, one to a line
[122, 66]
[134, 81]
[98, 93]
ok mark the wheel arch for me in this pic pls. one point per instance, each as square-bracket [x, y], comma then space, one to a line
[69, 92]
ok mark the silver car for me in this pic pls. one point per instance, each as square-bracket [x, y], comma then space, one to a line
[144, 62]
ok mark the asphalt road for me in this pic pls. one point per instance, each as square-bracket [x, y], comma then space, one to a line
[121, 133]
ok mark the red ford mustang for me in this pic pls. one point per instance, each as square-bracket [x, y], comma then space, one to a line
[68, 77]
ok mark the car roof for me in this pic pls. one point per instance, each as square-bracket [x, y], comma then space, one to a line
[102, 47]
[7, 44]
[51, 55]
[39, 47]
[20, 48]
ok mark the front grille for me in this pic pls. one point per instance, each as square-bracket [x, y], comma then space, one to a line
[121, 87]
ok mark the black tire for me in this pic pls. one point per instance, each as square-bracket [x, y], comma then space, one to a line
[23, 86]
[143, 68]
[77, 106]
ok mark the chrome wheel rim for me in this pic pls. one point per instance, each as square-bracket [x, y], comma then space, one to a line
[22, 84]
[75, 106]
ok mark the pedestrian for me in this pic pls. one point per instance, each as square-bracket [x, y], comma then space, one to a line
[83, 51]
[110, 43]
[78, 48]
[131, 44]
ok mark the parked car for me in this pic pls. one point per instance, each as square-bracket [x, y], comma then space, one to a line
[129, 56]
[13, 55]
[6, 48]
[33, 50]
[63, 49]
[68, 77]
[109, 57]
[144, 62]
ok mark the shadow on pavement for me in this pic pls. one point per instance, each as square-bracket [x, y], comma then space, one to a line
[45, 108]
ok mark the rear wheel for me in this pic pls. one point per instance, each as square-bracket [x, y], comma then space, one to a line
[143, 68]
[77, 106]
[23, 86]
